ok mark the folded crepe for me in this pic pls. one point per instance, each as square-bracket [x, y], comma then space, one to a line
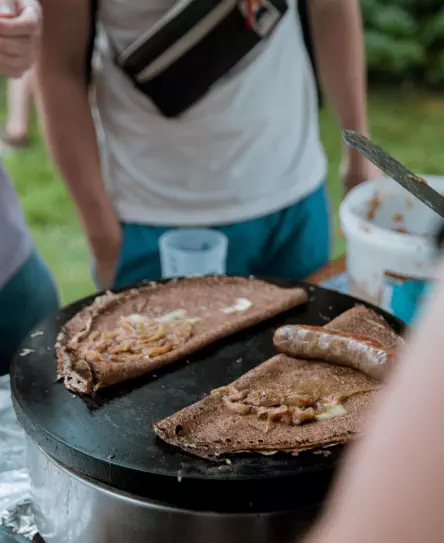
[122, 336]
[210, 429]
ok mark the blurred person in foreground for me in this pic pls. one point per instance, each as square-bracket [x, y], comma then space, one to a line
[27, 292]
[244, 157]
[391, 488]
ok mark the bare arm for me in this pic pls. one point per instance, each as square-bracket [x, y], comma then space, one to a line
[338, 43]
[392, 487]
[69, 124]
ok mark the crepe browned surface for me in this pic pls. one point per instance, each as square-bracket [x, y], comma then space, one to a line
[203, 299]
[363, 321]
[209, 429]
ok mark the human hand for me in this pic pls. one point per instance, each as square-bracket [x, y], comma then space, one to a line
[355, 169]
[20, 25]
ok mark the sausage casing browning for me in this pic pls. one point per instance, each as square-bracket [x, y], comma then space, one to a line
[351, 350]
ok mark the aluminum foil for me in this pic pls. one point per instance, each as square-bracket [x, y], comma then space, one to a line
[20, 519]
[15, 504]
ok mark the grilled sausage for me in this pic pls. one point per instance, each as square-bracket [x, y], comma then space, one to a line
[351, 350]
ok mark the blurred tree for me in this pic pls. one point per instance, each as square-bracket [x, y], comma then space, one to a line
[405, 40]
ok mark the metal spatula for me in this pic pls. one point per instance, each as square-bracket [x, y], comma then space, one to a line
[394, 169]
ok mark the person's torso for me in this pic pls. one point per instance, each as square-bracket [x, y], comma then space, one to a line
[248, 147]
[15, 239]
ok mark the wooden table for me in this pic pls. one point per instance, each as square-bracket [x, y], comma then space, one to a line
[335, 267]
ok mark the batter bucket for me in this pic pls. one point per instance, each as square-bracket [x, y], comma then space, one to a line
[391, 253]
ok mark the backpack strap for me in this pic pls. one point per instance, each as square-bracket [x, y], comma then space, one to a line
[440, 238]
[94, 6]
[308, 40]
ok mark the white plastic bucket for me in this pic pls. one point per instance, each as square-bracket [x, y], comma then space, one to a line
[386, 267]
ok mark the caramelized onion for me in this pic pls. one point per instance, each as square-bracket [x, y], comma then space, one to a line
[135, 337]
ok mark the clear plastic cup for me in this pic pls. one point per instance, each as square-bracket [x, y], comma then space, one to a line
[193, 251]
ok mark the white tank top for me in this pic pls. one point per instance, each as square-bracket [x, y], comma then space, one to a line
[248, 148]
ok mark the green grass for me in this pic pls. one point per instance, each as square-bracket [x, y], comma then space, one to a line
[408, 125]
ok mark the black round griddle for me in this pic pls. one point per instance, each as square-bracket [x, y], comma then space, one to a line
[109, 437]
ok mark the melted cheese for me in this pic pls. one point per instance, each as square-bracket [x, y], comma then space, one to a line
[136, 319]
[332, 411]
[178, 314]
[174, 315]
[193, 320]
[241, 304]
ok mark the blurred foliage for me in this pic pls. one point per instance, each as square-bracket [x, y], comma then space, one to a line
[405, 41]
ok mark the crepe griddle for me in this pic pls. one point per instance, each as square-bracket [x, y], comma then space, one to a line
[109, 437]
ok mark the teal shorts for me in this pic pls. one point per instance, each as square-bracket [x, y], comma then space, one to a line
[291, 244]
[27, 298]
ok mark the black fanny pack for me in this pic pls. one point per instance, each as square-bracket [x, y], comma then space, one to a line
[194, 45]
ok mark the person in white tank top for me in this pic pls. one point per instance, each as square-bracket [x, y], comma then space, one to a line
[246, 158]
